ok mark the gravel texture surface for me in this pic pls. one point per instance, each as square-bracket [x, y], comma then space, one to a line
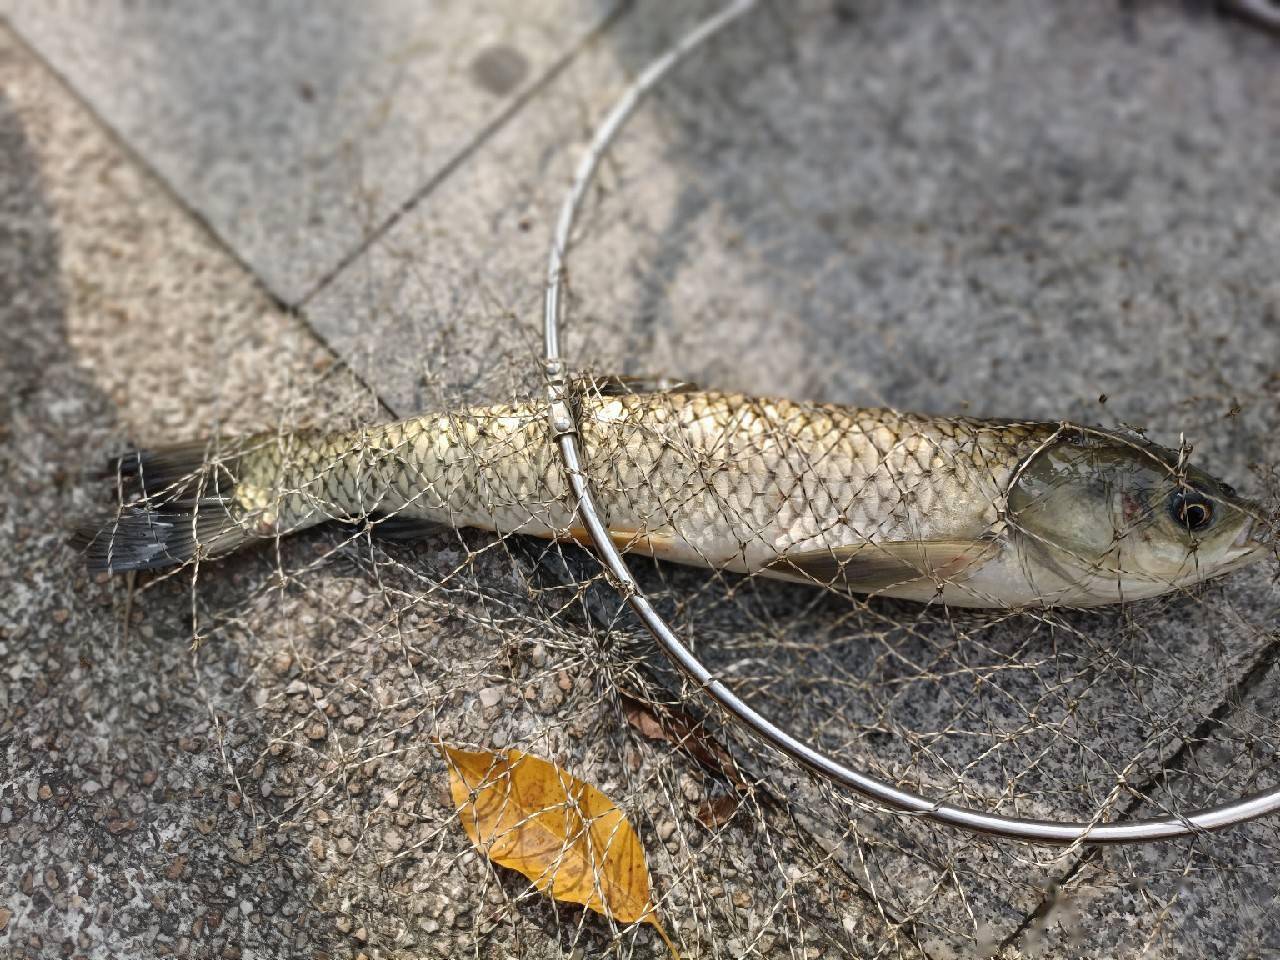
[1059, 210]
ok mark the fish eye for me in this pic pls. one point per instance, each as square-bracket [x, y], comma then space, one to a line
[1191, 510]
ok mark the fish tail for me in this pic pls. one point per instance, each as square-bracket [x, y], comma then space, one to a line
[177, 504]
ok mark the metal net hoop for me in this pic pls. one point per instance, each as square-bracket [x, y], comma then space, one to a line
[561, 418]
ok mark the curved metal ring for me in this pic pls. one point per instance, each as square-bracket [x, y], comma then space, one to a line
[560, 415]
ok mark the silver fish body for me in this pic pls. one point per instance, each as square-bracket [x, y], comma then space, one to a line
[868, 500]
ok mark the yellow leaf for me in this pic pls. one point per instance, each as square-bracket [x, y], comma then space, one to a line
[566, 836]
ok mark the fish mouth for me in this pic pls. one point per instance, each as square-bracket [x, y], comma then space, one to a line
[1249, 546]
[1254, 534]
[1248, 536]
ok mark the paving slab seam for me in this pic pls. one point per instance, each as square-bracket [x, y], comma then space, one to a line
[482, 136]
[196, 216]
[467, 151]
[138, 159]
[1248, 682]
[191, 211]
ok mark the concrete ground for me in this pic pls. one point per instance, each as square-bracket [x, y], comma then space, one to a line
[218, 219]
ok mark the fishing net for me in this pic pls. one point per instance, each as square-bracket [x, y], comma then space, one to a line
[807, 208]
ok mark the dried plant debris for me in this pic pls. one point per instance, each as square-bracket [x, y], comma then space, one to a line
[567, 837]
[683, 731]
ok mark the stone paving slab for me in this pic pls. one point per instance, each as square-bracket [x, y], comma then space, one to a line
[1017, 211]
[276, 791]
[1007, 211]
[1211, 896]
[296, 129]
[122, 321]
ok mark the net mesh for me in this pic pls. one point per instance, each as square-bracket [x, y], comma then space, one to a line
[327, 666]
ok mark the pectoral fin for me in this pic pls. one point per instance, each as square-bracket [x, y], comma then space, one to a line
[870, 567]
[656, 544]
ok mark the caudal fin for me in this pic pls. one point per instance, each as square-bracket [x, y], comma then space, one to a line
[177, 504]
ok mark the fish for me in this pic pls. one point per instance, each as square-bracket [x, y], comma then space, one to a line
[961, 511]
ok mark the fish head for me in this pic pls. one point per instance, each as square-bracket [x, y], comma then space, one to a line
[1104, 517]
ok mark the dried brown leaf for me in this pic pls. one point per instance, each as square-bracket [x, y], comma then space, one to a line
[644, 720]
[566, 836]
[684, 732]
[718, 811]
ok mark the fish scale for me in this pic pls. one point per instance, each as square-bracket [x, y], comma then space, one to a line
[712, 471]
[870, 499]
